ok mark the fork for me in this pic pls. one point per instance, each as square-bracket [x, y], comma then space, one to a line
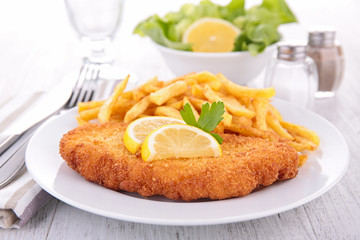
[12, 158]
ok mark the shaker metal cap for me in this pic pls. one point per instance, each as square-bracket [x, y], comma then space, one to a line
[322, 36]
[291, 50]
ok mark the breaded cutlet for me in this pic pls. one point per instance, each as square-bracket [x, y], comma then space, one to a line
[97, 152]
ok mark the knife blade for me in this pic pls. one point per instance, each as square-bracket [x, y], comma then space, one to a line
[46, 105]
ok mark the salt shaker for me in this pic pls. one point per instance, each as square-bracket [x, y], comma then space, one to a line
[293, 74]
[328, 56]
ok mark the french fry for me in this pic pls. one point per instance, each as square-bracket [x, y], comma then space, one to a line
[227, 119]
[149, 111]
[273, 136]
[196, 114]
[127, 95]
[117, 117]
[81, 121]
[123, 105]
[89, 114]
[242, 121]
[261, 108]
[164, 94]
[171, 101]
[240, 91]
[168, 112]
[234, 107]
[247, 102]
[274, 112]
[144, 115]
[138, 94]
[230, 105]
[181, 78]
[299, 147]
[302, 159]
[121, 108]
[247, 131]
[137, 109]
[219, 128]
[207, 78]
[107, 108]
[197, 90]
[210, 94]
[302, 131]
[274, 124]
[190, 81]
[308, 144]
[151, 85]
[197, 103]
[177, 105]
[89, 105]
[187, 92]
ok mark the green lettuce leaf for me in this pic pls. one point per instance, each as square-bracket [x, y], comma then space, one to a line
[234, 9]
[159, 30]
[280, 8]
[258, 25]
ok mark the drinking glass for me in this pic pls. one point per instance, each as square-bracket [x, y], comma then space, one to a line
[96, 22]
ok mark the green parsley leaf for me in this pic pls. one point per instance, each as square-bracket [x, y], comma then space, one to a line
[188, 115]
[210, 117]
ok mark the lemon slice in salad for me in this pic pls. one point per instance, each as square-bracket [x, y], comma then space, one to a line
[211, 35]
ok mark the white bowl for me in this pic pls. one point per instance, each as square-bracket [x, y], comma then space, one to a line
[239, 67]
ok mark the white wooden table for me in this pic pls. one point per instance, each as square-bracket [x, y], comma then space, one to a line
[37, 45]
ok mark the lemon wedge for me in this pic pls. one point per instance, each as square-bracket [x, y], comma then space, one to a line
[179, 141]
[139, 129]
[211, 35]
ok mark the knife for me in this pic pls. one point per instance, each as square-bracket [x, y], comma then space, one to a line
[45, 106]
[12, 161]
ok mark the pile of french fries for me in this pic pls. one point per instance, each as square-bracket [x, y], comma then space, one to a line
[249, 111]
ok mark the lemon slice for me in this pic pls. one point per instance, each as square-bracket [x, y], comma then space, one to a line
[211, 35]
[179, 141]
[139, 129]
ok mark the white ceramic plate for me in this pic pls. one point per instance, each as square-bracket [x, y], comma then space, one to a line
[322, 171]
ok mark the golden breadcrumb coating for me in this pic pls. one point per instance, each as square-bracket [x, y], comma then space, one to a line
[98, 153]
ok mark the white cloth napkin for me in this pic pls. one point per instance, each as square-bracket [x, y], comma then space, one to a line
[20, 200]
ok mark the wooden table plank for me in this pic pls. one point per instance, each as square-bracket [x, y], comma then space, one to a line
[36, 228]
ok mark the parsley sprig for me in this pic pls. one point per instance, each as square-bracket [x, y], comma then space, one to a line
[210, 117]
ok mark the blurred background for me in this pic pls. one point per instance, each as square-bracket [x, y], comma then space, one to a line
[37, 41]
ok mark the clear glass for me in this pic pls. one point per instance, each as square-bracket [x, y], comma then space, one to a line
[330, 64]
[96, 23]
[294, 81]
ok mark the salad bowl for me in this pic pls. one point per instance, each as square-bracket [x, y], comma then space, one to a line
[210, 24]
[240, 67]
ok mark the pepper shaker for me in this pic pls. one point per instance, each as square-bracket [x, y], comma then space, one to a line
[293, 74]
[328, 56]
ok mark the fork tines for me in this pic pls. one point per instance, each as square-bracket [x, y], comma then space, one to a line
[86, 83]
